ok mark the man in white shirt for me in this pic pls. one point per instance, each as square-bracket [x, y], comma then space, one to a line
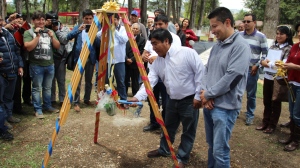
[181, 70]
[149, 55]
[118, 60]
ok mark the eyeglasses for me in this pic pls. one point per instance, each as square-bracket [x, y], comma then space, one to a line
[247, 21]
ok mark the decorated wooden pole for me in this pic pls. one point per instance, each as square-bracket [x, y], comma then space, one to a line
[148, 88]
[78, 71]
[102, 68]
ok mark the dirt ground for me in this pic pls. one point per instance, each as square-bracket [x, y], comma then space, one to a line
[123, 144]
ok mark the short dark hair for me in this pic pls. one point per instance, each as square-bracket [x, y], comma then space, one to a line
[87, 12]
[221, 14]
[297, 26]
[160, 11]
[37, 15]
[286, 30]
[161, 35]
[117, 16]
[251, 14]
[163, 18]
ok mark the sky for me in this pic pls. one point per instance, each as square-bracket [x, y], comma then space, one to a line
[232, 4]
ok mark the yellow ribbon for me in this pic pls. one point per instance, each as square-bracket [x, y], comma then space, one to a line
[111, 6]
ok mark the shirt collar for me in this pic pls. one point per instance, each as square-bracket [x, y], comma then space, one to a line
[252, 34]
[282, 45]
[173, 49]
[229, 39]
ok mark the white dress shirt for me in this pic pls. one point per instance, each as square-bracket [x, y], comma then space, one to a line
[181, 72]
[120, 41]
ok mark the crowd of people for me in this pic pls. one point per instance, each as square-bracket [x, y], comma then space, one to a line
[180, 82]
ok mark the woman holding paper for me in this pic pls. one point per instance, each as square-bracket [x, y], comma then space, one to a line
[278, 51]
[293, 66]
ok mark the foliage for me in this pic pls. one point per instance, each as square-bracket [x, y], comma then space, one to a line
[157, 4]
[289, 10]
[240, 15]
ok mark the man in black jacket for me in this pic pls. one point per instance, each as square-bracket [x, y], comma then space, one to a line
[10, 67]
[132, 71]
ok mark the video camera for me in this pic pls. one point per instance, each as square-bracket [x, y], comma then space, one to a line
[18, 15]
[53, 17]
[43, 31]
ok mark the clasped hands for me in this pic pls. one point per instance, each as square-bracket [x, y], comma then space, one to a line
[208, 104]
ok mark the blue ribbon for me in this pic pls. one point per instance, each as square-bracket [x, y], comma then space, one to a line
[79, 64]
[97, 22]
[43, 166]
[70, 93]
[57, 126]
[50, 148]
[88, 42]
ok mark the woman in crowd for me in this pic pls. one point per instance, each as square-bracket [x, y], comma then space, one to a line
[189, 34]
[272, 109]
[293, 66]
[180, 34]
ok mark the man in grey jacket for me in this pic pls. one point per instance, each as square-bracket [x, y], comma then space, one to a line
[223, 86]
[59, 56]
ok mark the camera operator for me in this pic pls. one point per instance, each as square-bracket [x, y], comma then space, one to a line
[41, 42]
[10, 67]
[59, 56]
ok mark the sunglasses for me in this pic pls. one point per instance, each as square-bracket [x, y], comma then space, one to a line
[247, 21]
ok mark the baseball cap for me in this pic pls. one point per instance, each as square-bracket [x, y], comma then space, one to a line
[134, 12]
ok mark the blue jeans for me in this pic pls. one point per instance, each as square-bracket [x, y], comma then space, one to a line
[251, 94]
[294, 107]
[218, 127]
[42, 77]
[7, 88]
[119, 72]
[180, 111]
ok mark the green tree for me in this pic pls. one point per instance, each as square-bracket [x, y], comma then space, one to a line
[240, 15]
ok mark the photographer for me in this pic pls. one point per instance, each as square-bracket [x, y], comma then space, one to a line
[10, 67]
[41, 42]
[80, 33]
[59, 56]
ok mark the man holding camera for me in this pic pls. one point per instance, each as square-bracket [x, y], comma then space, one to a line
[59, 56]
[40, 42]
[80, 33]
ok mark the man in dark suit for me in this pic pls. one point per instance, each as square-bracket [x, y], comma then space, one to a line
[132, 71]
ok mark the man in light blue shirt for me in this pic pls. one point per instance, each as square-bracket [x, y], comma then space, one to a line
[118, 59]
[180, 69]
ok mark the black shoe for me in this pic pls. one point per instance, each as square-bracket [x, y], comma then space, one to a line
[6, 136]
[151, 127]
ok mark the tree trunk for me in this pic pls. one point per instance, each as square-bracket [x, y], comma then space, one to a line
[175, 17]
[201, 13]
[19, 6]
[1, 9]
[213, 4]
[271, 18]
[168, 8]
[193, 13]
[55, 6]
[83, 5]
[27, 11]
[144, 12]
[178, 3]
[129, 7]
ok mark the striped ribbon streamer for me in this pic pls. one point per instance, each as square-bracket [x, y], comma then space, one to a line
[73, 86]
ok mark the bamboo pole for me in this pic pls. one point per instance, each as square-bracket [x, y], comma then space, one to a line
[78, 71]
[148, 88]
[102, 68]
